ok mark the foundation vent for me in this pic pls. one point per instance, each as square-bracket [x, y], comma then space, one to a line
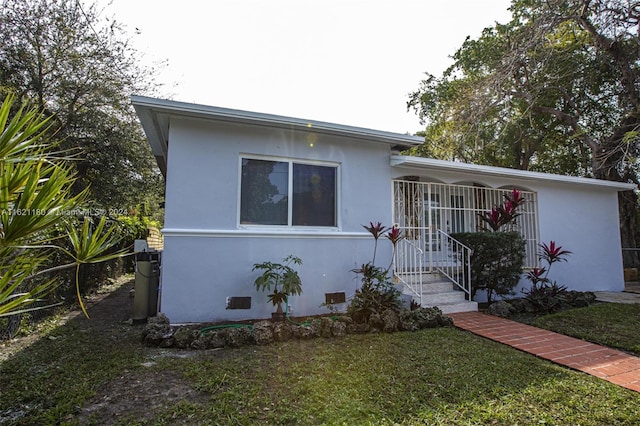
[238, 302]
[333, 298]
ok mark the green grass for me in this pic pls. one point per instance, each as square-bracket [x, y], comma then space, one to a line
[611, 324]
[57, 374]
[438, 376]
[432, 377]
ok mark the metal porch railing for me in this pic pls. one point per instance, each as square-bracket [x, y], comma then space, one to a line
[408, 267]
[422, 208]
[452, 261]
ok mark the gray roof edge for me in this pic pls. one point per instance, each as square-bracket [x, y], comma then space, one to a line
[226, 114]
[410, 161]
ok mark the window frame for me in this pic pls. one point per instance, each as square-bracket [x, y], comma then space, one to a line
[290, 162]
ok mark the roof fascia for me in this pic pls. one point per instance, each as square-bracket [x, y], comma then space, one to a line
[476, 169]
[152, 106]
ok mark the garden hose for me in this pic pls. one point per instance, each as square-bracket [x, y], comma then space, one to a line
[286, 314]
[250, 326]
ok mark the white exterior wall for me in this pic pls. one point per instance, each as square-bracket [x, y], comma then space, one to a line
[581, 218]
[585, 222]
[208, 256]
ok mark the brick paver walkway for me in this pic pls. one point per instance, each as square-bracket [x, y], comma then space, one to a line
[609, 364]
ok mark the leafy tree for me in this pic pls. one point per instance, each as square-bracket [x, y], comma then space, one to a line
[556, 89]
[35, 196]
[81, 73]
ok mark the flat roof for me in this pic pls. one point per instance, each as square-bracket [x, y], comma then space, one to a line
[480, 170]
[155, 116]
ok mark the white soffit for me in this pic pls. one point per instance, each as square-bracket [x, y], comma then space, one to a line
[480, 170]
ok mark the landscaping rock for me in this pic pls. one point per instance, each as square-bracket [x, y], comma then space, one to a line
[390, 320]
[302, 332]
[263, 332]
[522, 305]
[282, 331]
[237, 337]
[157, 330]
[376, 323]
[345, 319]
[423, 318]
[184, 337]
[316, 326]
[338, 329]
[358, 328]
[501, 308]
[200, 342]
[326, 325]
[215, 341]
[167, 343]
[208, 340]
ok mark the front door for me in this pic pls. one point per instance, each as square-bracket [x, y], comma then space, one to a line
[433, 216]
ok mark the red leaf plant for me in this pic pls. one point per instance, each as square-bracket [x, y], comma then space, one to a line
[506, 213]
[549, 253]
[376, 230]
[552, 253]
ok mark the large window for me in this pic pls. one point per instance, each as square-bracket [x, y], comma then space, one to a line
[287, 193]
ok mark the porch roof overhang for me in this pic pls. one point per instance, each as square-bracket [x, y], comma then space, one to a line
[155, 116]
[512, 174]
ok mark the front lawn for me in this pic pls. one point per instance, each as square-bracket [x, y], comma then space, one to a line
[97, 372]
[435, 376]
[611, 324]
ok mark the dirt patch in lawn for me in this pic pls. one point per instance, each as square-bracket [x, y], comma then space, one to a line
[140, 395]
[143, 389]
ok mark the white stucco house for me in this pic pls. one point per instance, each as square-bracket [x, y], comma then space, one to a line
[245, 187]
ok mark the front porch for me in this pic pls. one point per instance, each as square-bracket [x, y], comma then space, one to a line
[430, 264]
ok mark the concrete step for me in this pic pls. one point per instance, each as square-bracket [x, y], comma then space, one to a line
[437, 290]
[428, 288]
[426, 278]
[436, 287]
[452, 308]
[436, 299]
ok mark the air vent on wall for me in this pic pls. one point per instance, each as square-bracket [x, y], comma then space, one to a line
[333, 298]
[238, 303]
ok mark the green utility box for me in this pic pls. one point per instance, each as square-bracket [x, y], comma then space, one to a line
[147, 282]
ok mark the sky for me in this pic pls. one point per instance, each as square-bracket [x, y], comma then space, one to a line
[351, 62]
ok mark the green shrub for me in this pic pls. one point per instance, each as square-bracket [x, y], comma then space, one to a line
[496, 261]
[279, 278]
[376, 295]
[547, 298]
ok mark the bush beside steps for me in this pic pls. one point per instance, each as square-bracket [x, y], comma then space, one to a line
[159, 332]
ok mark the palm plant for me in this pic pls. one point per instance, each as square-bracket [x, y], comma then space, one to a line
[35, 196]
